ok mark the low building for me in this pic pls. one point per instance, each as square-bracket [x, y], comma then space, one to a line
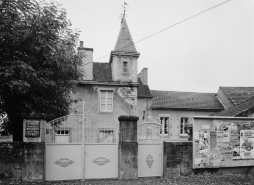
[175, 110]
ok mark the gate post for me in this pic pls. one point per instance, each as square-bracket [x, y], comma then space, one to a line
[128, 147]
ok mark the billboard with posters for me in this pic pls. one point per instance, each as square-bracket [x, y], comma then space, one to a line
[223, 142]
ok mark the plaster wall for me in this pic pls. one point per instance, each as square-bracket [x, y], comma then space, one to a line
[175, 121]
[117, 69]
[124, 101]
[142, 108]
[87, 63]
[144, 76]
[224, 99]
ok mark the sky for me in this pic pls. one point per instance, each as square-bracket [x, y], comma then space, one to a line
[212, 49]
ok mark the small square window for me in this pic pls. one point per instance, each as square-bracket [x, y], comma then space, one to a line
[106, 136]
[125, 67]
[62, 136]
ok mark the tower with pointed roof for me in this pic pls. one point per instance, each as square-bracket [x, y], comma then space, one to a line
[124, 57]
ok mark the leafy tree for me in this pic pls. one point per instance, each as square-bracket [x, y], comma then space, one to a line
[38, 60]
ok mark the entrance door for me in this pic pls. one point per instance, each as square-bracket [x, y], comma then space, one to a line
[149, 150]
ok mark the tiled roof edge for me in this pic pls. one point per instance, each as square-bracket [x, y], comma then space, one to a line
[226, 95]
[190, 109]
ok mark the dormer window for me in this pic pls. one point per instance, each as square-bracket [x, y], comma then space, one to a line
[125, 67]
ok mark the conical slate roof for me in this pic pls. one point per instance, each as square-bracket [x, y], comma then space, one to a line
[124, 41]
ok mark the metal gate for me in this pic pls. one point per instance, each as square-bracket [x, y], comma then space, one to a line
[150, 150]
[81, 147]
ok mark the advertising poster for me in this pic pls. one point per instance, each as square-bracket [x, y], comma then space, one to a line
[213, 141]
[246, 143]
[223, 142]
[203, 142]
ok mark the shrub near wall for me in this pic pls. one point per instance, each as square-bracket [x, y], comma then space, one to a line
[21, 160]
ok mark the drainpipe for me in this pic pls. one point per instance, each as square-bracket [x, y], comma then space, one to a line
[189, 130]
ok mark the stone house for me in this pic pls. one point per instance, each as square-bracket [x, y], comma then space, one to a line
[176, 109]
[113, 88]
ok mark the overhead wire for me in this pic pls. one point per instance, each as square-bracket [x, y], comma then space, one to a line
[173, 25]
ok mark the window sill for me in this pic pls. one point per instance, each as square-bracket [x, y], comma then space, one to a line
[126, 74]
[165, 136]
[102, 112]
[184, 135]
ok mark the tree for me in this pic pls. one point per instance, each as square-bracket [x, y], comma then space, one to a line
[38, 60]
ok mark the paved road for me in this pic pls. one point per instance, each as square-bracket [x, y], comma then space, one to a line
[191, 180]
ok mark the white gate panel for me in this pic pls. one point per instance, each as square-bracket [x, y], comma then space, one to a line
[149, 160]
[64, 161]
[101, 161]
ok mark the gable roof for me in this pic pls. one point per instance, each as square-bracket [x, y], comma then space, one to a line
[185, 100]
[102, 72]
[143, 90]
[238, 95]
[244, 109]
[124, 41]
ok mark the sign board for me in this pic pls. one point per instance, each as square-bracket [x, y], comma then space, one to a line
[223, 142]
[32, 128]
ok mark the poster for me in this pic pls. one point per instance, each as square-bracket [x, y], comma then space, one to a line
[246, 143]
[32, 128]
[226, 142]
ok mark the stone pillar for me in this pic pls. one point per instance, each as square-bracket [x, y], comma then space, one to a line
[128, 147]
[33, 128]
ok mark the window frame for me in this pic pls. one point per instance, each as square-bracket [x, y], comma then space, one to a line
[125, 68]
[182, 125]
[127, 72]
[100, 100]
[107, 130]
[62, 129]
[168, 117]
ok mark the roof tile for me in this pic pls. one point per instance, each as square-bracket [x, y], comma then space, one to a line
[102, 72]
[237, 110]
[185, 100]
[124, 41]
[238, 95]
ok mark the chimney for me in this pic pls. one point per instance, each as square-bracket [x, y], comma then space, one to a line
[81, 44]
[144, 76]
[87, 61]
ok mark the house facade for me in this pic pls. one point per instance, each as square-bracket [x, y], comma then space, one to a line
[110, 89]
[114, 88]
[175, 110]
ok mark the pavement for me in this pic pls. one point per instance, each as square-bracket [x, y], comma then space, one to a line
[189, 180]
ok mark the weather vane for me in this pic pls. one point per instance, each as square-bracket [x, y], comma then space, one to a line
[124, 10]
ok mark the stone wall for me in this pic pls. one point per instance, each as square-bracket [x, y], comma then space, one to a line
[128, 147]
[177, 159]
[21, 160]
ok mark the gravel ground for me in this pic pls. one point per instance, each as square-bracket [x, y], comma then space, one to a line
[190, 180]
